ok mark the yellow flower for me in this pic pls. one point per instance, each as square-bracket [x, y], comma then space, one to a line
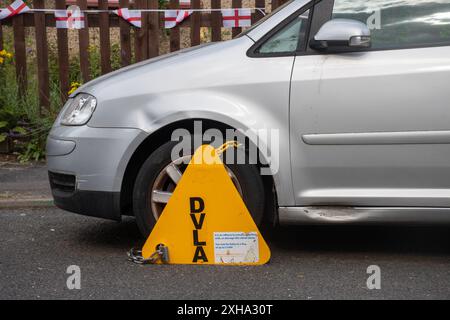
[5, 54]
[72, 90]
[74, 86]
[1, 60]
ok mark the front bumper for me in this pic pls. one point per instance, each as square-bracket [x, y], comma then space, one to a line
[86, 167]
[98, 204]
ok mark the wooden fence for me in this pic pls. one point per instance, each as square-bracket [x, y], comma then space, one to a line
[146, 39]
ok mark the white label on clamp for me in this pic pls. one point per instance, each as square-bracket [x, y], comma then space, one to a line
[236, 247]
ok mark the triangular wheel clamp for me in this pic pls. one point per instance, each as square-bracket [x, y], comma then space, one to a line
[206, 220]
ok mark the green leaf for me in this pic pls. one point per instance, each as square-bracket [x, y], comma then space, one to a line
[3, 137]
[3, 124]
[20, 130]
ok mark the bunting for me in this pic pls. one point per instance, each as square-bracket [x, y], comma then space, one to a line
[233, 18]
[68, 19]
[173, 18]
[74, 18]
[17, 7]
[134, 17]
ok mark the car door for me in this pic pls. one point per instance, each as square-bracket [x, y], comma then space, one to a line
[373, 128]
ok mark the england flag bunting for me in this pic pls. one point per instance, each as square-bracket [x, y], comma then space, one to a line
[132, 16]
[174, 17]
[17, 7]
[236, 18]
[68, 19]
[185, 4]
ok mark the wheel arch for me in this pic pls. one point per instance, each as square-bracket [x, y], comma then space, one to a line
[162, 135]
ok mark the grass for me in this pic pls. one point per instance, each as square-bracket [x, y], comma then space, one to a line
[24, 121]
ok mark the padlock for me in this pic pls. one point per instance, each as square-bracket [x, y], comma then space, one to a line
[163, 253]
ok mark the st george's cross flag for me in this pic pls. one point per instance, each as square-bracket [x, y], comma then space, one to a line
[133, 17]
[15, 8]
[233, 18]
[175, 17]
[69, 19]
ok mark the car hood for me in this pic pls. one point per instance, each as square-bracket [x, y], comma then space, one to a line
[174, 71]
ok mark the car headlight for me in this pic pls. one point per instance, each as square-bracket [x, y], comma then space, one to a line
[79, 110]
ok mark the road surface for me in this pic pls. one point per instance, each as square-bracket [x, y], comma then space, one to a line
[38, 245]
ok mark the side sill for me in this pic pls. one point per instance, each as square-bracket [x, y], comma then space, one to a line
[318, 215]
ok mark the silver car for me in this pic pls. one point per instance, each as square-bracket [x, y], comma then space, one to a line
[357, 91]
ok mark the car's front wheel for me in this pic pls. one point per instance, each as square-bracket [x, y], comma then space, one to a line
[159, 176]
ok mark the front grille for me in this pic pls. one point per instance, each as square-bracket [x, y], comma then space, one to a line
[62, 182]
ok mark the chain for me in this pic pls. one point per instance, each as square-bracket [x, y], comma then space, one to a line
[226, 145]
[161, 253]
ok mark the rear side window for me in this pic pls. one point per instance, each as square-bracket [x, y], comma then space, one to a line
[288, 39]
[400, 23]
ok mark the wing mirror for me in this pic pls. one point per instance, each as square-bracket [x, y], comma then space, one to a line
[342, 35]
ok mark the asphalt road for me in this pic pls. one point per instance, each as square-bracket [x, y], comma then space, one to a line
[38, 245]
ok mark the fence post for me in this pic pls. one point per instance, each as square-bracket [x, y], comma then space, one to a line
[42, 55]
[125, 40]
[1, 36]
[195, 23]
[105, 44]
[141, 41]
[175, 31]
[236, 4]
[277, 3]
[216, 21]
[258, 15]
[20, 53]
[153, 29]
[63, 55]
[83, 39]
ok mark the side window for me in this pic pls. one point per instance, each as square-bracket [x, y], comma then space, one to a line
[288, 39]
[400, 24]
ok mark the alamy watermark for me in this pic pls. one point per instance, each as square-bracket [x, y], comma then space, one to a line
[374, 280]
[73, 281]
[374, 20]
[256, 146]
